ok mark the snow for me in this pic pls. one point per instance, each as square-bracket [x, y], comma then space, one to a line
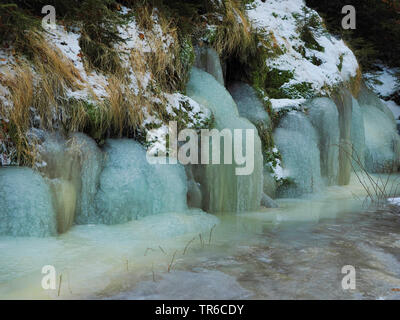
[395, 201]
[394, 107]
[278, 172]
[174, 101]
[278, 104]
[157, 137]
[383, 82]
[281, 18]
[68, 43]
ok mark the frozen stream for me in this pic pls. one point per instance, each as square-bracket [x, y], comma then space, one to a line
[296, 251]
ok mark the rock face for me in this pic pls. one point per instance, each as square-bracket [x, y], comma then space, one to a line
[194, 196]
[130, 187]
[26, 207]
[269, 183]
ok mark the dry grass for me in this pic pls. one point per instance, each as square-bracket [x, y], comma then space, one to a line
[35, 90]
[20, 86]
[378, 187]
[144, 17]
[234, 33]
[124, 106]
[39, 89]
[52, 60]
[163, 61]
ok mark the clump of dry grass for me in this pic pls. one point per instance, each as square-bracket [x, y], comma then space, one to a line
[144, 17]
[20, 85]
[378, 187]
[162, 61]
[39, 90]
[55, 73]
[35, 91]
[125, 108]
[234, 33]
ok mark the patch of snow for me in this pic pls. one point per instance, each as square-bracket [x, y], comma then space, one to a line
[338, 62]
[68, 43]
[196, 112]
[156, 138]
[395, 201]
[278, 104]
[278, 172]
[385, 82]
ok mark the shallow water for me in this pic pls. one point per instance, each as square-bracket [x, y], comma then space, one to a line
[296, 251]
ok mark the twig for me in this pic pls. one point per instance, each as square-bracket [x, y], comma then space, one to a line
[209, 240]
[187, 245]
[59, 285]
[172, 261]
[152, 271]
[162, 250]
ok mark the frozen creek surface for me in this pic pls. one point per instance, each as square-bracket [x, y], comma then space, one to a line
[296, 251]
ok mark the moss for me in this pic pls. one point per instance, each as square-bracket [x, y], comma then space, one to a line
[309, 41]
[184, 120]
[316, 61]
[298, 91]
[272, 157]
[340, 65]
[307, 24]
[187, 57]
[271, 80]
[285, 183]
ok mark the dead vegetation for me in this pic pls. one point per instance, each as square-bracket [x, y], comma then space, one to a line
[43, 77]
[378, 187]
[234, 35]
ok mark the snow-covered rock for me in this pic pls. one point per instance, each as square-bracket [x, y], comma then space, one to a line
[284, 18]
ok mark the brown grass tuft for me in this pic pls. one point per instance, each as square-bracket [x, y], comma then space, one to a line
[234, 33]
[20, 86]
